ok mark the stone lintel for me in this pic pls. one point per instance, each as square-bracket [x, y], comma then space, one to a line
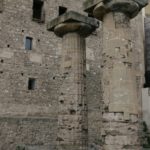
[72, 16]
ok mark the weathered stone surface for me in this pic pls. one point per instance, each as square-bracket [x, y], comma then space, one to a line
[86, 26]
[15, 99]
[147, 11]
[73, 107]
[72, 117]
[100, 7]
[119, 85]
[17, 131]
[118, 73]
[89, 5]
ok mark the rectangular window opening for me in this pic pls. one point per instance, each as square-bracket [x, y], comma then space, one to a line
[31, 84]
[147, 79]
[28, 43]
[38, 11]
[62, 10]
[1, 5]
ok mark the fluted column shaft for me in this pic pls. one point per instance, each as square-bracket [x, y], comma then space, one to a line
[72, 107]
[72, 117]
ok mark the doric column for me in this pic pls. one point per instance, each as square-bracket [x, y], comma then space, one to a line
[120, 128]
[72, 115]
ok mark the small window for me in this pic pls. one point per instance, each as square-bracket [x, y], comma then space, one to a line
[31, 84]
[38, 11]
[147, 79]
[1, 5]
[62, 10]
[28, 43]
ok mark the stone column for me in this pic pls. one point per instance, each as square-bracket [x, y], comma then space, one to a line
[72, 115]
[120, 119]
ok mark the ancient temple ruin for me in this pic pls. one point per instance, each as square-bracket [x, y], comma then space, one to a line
[74, 75]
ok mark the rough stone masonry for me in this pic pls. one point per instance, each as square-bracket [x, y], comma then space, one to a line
[121, 110]
[73, 109]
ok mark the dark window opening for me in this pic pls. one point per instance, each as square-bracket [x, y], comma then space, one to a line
[31, 84]
[38, 11]
[1, 6]
[28, 43]
[62, 10]
[147, 79]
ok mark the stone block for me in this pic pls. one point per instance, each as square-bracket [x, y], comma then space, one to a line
[36, 58]
[72, 16]
[6, 54]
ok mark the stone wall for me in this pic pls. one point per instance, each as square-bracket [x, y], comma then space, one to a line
[24, 112]
[27, 132]
[29, 117]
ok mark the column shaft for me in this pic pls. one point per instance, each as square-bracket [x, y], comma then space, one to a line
[72, 117]
[72, 111]
[121, 108]
[120, 130]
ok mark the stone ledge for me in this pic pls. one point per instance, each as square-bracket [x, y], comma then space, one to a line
[91, 3]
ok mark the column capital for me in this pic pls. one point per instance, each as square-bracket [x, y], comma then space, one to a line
[72, 22]
[100, 7]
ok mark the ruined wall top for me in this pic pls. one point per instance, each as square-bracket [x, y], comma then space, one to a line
[101, 7]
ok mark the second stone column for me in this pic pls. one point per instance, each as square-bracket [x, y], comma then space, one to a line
[120, 116]
[72, 117]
